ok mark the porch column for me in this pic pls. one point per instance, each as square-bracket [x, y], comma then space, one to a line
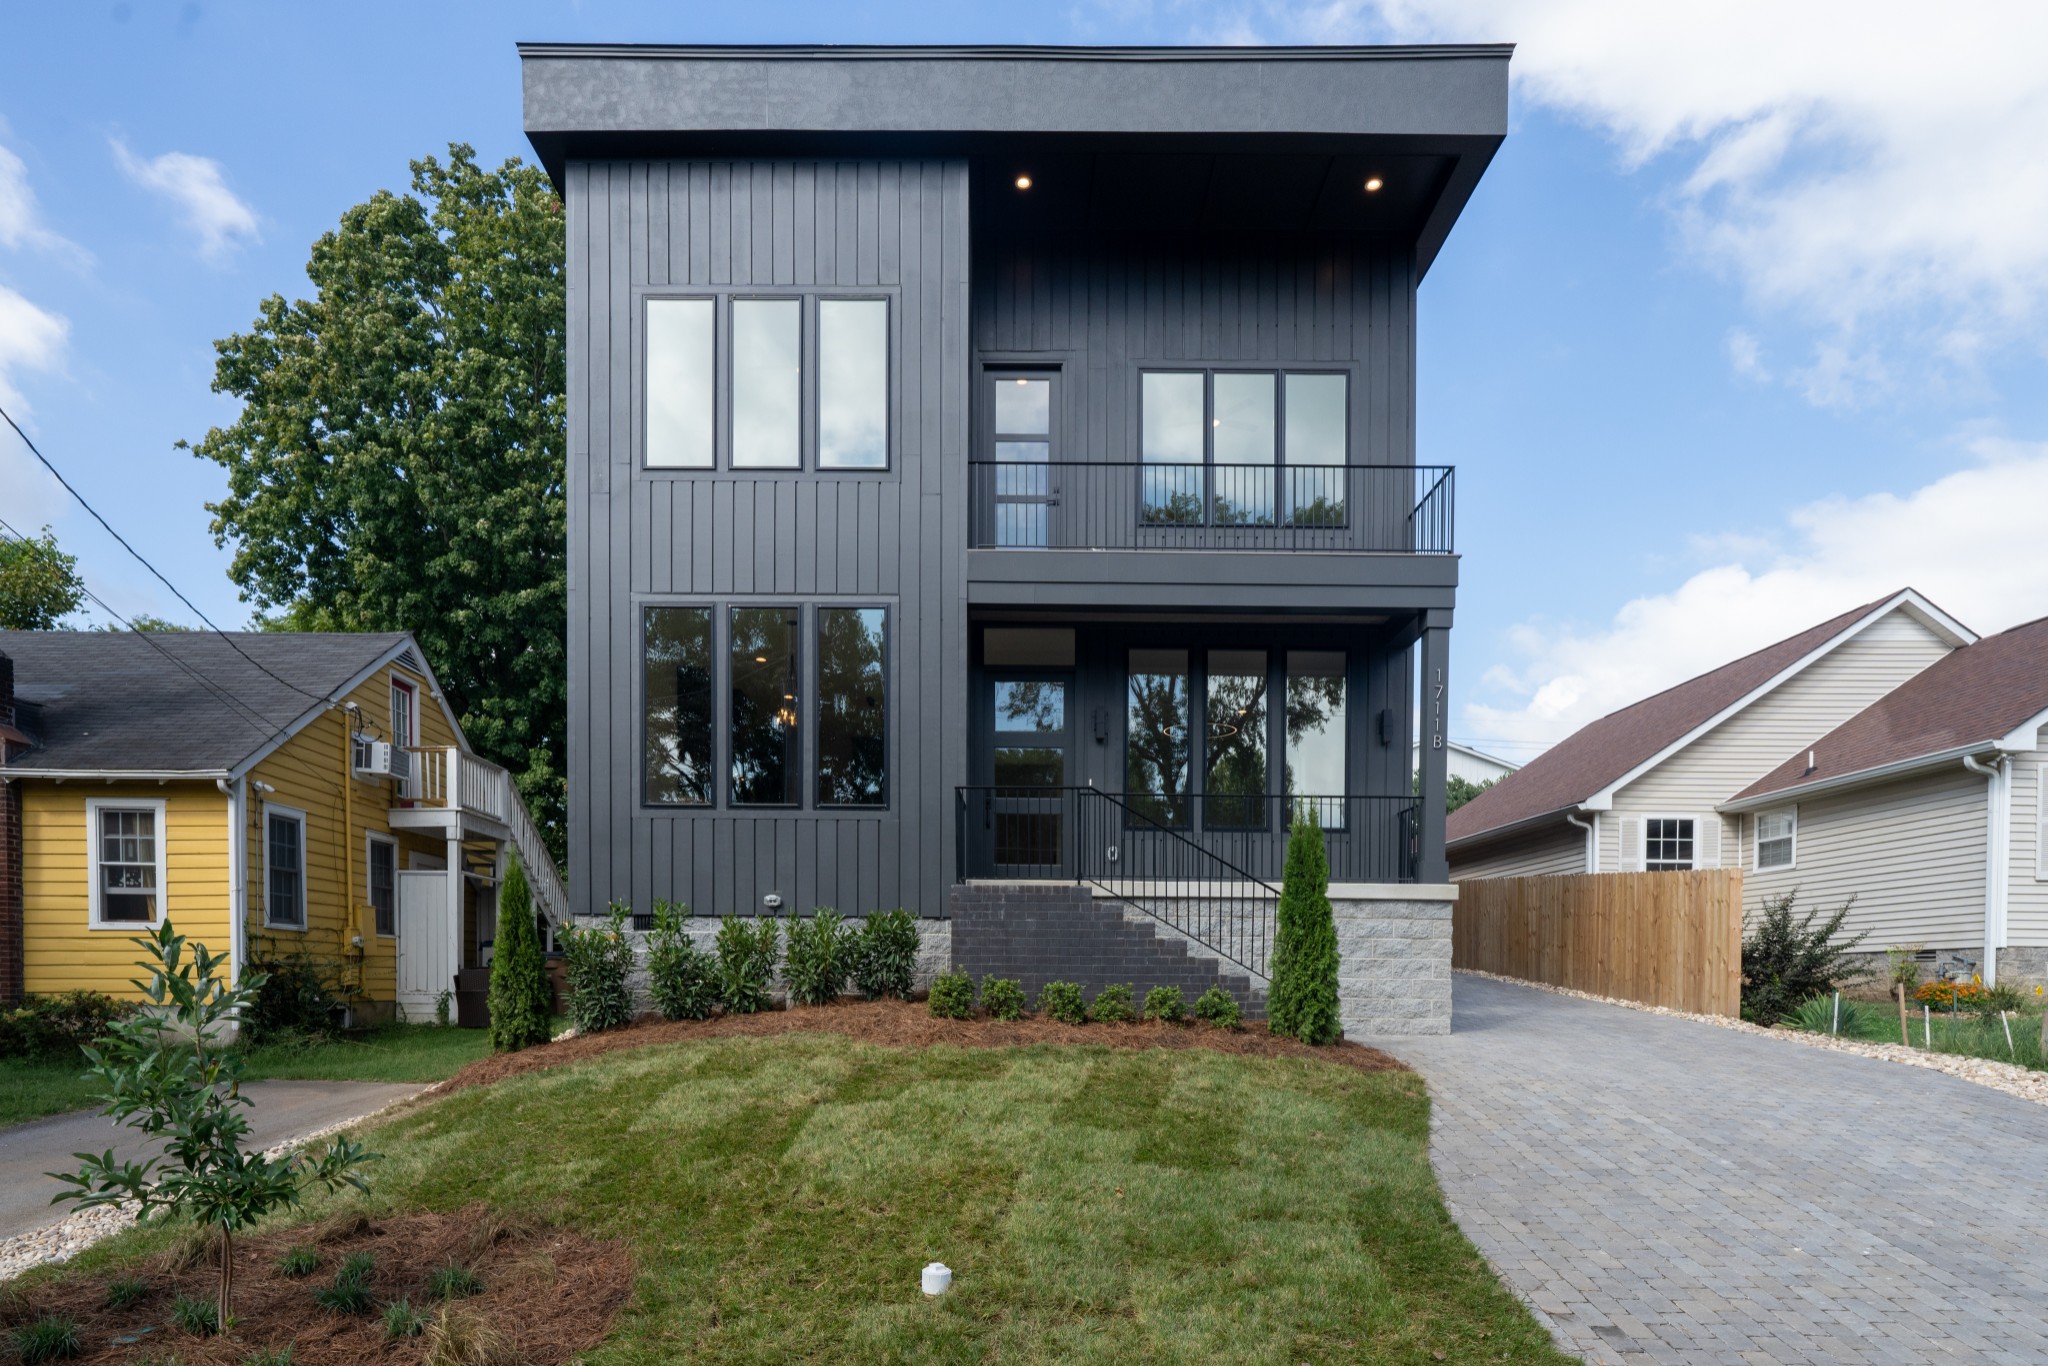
[455, 896]
[1433, 865]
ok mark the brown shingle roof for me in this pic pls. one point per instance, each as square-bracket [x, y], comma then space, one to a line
[1597, 754]
[1970, 697]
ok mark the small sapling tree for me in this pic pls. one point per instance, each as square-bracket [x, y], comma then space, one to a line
[1303, 1000]
[520, 998]
[172, 1074]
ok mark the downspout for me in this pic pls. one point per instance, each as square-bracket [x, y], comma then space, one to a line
[1592, 829]
[1997, 876]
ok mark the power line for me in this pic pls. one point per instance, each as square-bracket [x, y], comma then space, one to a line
[248, 713]
[58, 476]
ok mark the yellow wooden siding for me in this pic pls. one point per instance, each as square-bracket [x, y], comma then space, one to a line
[62, 951]
[309, 773]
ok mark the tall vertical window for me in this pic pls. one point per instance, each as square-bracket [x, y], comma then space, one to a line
[1776, 832]
[767, 383]
[1315, 731]
[853, 707]
[128, 863]
[1234, 777]
[284, 867]
[403, 698]
[680, 380]
[1318, 428]
[1243, 428]
[1023, 472]
[677, 698]
[853, 384]
[765, 706]
[1156, 735]
[1173, 445]
[381, 873]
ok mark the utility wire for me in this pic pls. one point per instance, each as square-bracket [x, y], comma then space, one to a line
[248, 712]
[58, 476]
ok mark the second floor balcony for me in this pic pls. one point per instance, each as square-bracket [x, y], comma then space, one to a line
[1024, 504]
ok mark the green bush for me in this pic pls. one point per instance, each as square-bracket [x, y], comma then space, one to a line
[1114, 1004]
[1786, 960]
[885, 958]
[454, 1282]
[298, 1261]
[123, 1291]
[521, 1001]
[198, 1317]
[681, 977]
[818, 963]
[1992, 1001]
[58, 1026]
[952, 996]
[1166, 1005]
[350, 1293]
[598, 959]
[401, 1320]
[1303, 1000]
[1219, 1008]
[47, 1337]
[747, 949]
[1816, 1015]
[1062, 1001]
[297, 1000]
[1002, 998]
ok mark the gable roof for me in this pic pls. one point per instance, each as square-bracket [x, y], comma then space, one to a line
[174, 701]
[1602, 754]
[1965, 702]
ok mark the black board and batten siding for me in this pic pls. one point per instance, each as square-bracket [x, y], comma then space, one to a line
[894, 538]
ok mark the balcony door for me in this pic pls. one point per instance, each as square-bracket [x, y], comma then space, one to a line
[1021, 498]
[1030, 755]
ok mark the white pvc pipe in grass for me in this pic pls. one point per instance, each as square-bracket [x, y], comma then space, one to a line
[1927, 1025]
[2010, 1050]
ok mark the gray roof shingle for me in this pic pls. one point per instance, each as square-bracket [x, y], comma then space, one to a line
[106, 701]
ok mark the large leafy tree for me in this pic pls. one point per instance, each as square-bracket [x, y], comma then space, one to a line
[398, 461]
[39, 584]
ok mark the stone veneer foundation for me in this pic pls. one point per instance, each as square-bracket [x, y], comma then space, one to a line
[1393, 958]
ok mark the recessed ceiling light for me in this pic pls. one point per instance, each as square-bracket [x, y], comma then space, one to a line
[1023, 182]
[1373, 183]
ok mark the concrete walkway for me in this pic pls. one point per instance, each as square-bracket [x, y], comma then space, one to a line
[1663, 1190]
[282, 1111]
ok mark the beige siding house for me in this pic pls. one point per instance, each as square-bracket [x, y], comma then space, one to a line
[1927, 808]
[1643, 788]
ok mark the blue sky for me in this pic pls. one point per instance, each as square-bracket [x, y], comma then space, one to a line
[1726, 342]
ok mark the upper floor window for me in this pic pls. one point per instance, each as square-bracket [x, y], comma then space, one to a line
[1244, 448]
[127, 862]
[782, 391]
[1776, 833]
[284, 864]
[1667, 844]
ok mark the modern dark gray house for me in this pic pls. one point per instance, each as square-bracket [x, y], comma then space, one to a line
[994, 487]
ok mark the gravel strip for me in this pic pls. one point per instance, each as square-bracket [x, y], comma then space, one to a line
[79, 1230]
[2010, 1078]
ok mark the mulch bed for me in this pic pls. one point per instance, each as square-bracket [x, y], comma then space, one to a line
[905, 1024]
[548, 1293]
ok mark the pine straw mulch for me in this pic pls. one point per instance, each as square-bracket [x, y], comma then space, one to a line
[905, 1024]
[548, 1294]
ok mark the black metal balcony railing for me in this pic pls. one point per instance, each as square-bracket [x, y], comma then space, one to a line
[1133, 505]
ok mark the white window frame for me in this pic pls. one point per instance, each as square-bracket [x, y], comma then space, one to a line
[1791, 813]
[1692, 864]
[291, 813]
[411, 687]
[371, 839]
[93, 807]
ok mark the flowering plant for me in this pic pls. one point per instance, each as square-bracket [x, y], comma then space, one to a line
[1950, 995]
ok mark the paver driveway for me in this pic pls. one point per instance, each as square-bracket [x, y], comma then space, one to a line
[1663, 1190]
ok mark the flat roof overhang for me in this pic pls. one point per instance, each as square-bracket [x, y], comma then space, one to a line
[1283, 584]
[1443, 108]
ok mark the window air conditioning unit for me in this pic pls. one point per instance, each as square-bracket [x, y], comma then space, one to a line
[381, 759]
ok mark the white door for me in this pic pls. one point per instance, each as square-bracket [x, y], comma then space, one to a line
[425, 969]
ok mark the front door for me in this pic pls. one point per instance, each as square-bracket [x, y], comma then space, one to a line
[1025, 809]
[425, 966]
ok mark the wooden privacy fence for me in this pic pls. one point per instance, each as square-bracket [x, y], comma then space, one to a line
[1664, 939]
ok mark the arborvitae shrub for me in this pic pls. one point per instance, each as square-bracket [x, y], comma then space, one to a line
[817, 963]
[1219, 1008]
[521, 1000]
[1303, 1000]
[952, 996]
[1062, 1001]
[1002, 998]
[1166, 1005]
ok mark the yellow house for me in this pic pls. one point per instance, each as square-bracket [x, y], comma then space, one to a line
[277, 795]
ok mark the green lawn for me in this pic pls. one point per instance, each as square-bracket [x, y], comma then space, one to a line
[30, 1090]
[1964, 1032]
[781, 1195]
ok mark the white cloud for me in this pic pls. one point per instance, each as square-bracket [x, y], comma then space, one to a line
[1848, 161]
[1968, 541]
[1746, 355]
[21, 221]
[31, 338]
[200, 191]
